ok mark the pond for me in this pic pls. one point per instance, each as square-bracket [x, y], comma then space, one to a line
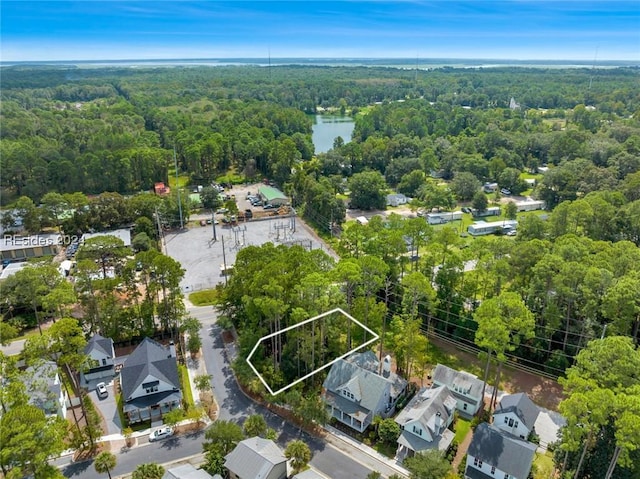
[326, 128]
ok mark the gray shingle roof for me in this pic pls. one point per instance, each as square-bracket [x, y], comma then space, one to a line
[99, 343]
[522, 406]
[254, 458]
[186, 471]
[149, 358]
[359, 372]
[458, 381]
[429, 406]
[506, 452]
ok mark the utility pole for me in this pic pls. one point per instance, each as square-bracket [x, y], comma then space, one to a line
[224, 262]
[213, 223]
[175, 165]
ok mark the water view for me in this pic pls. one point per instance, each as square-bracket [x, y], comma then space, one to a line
[327, 128]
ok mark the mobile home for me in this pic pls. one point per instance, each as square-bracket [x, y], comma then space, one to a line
[439, 218]
[530, 205]
[484, 228]
[491, 211]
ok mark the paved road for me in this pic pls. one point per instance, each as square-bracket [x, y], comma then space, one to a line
[234, 405]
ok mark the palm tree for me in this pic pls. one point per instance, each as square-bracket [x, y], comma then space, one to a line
[298, 453]
[105, 462]
[148, 471]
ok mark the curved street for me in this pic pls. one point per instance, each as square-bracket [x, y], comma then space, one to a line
[234, 405]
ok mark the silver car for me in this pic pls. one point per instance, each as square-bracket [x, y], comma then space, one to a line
[101, 390]
[160, 433]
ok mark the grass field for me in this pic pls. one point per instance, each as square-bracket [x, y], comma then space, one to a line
[187, 394]
[462, 428]
[207, 297]
[182, 180]
[542, 466]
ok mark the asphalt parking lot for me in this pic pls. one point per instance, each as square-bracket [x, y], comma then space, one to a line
[202, 257]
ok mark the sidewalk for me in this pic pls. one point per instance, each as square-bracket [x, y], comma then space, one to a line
[340, 439]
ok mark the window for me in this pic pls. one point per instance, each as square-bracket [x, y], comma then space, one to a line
[506, 476]
[506, 419]
[151, 389]
[104, 362]
[493, 469]
[511, 422]
[464, 406]
[516, 424]
[417, 430]
[477, 462]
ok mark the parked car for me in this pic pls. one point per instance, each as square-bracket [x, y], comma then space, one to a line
[203, 223]
[160, 433]
[101, 390]
[269, 206]
[505, 191]
[248, 213]
[222, 211]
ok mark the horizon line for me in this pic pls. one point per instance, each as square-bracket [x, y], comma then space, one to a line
[333, 58]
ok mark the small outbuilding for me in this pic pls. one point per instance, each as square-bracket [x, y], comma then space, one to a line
[271, 195]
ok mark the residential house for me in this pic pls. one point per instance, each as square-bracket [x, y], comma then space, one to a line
[45, 390]
[425, 421]
[465, 387]
[397, 199]
[101, 357]
[516, 414]
[355, 391]
[186, 471]
[256, 458]
[161, 189]
[22, 248]
[496, 454]
[150, 382]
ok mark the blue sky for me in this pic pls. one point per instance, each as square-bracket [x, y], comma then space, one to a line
[509, 29]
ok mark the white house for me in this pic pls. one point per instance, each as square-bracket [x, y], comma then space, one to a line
[101, 357]
[464, 386]
[355, 392]
[397, 199]
[445, 217]
[516, 414]
[425, 421]
[150, 382]
[480, 228]
[44, 388]
[256, 458]
[494, 453]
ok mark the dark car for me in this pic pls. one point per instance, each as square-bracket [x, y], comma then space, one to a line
[269, 206]
[248, 213]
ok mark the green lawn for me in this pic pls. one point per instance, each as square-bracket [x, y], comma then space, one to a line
[385, 449]
[207, 297]
[187, 394]
[181, 181]
[542, 465]
[462, 428]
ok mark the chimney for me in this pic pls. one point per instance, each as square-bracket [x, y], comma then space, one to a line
[386, 366]
[172, 350]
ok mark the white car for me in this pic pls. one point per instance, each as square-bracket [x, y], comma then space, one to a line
[101, 390]
[160, 433]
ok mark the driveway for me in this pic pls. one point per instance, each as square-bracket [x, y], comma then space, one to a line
[107, 406]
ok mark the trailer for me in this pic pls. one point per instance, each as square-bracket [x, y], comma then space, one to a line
[480, 228]
[446, 217]
[491, 211]
[530, 205]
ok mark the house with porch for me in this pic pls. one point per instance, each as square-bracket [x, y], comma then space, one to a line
[357, 389]
[465, 387]
[496, 454]
[101, 359]
[516, 414]
[425, 421]
[256, 458]
[45, 390]
[150, 382]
